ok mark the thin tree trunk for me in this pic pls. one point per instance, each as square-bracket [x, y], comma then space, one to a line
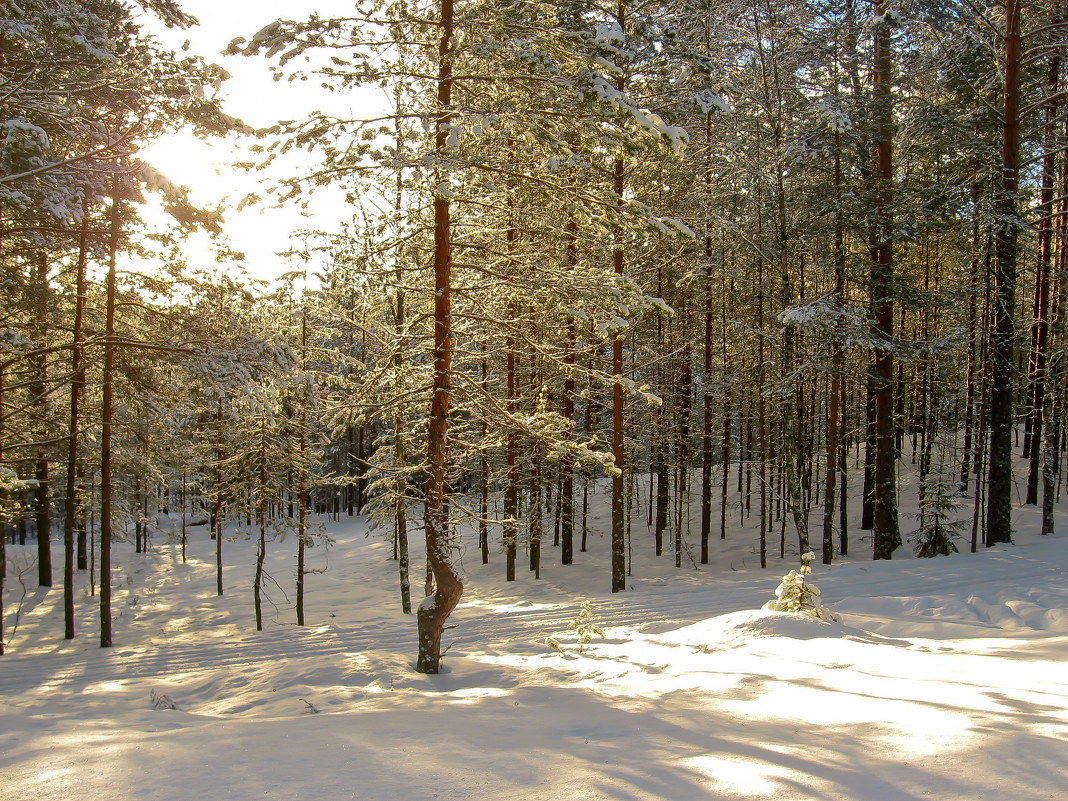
[217, 514]
[139, 516]
[728, 397]
[567, 409]
[436, 608]
[302, 478]
[1040, 323]
[184, 485]
[483, 483]
[973, 302]
[400, 514]
[535, 516]
[70, 510]
[867, 513]
[662, 491]
[39, 393]
[706, 422]
[1053, 405]
[261, 514]
[1050, 461]
[400, 449]
[885, 531]
[3, 509]
[837, 366]
[684, 412]
[619, 566]
[534, 493]
[762, 428]
[106, 413]
[511, 480]
[587, 432]
[351, 488]
[843, 504]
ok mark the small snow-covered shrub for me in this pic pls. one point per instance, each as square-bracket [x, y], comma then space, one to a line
[583, 626]
[796, 594]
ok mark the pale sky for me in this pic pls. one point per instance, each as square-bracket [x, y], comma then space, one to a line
[254, 97]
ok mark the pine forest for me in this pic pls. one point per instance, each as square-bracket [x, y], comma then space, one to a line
[625, 283]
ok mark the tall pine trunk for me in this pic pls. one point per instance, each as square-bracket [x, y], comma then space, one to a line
[302, 476]
[567, 409]
[837, 365]
[885, 531]
[435, 609]
[1002, 349]
[106, 414]
[217, 500]
[619, 566]
[511, 479]
[706, 416]
[4, 500]
[39, 393]
[1040, 324]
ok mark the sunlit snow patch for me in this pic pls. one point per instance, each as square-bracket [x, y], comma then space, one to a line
[731, 630]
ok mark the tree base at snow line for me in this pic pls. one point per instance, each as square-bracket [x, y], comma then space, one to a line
[433, 612]
[938, 543]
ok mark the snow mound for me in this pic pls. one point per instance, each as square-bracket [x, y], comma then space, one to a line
[737, 628]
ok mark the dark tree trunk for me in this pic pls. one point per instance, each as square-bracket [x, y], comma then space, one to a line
[886, 535]
[867, 512]
[39, 393]
[843, 460]
[1040, 324]
[106, 411]
[483, 475]
[834, 411]
[302, 482]
[217, 511]
[534, 516]
[728, 398]
[3, 507]
[567, 409]
[261, 519]
[511, 480]
[1053, 400]
[973, 302]
[619, 566]
[1002, 350]
[706, 417]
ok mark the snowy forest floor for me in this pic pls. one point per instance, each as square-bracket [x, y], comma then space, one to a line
[943, 679]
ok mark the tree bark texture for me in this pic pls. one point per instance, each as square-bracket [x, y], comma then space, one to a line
[885, 531]
[1002, 346]
[435, 609]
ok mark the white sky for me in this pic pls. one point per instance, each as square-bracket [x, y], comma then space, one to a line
[252, 95]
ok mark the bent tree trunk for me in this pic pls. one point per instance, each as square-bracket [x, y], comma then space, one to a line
[435, 609]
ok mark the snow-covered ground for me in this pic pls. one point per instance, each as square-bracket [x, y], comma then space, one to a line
[944, 679]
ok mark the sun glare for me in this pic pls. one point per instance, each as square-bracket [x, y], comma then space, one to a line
[198, 165]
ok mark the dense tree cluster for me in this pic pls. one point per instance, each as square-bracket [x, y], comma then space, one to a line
[756, 251]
